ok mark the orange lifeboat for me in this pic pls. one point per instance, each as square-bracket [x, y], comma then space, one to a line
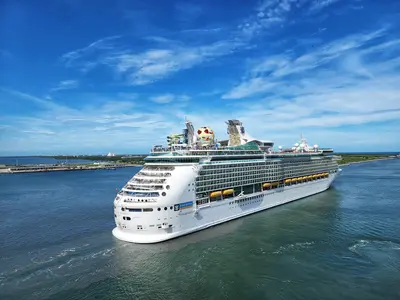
[227, 192]
[215, 194]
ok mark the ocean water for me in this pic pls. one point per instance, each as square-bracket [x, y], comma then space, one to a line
[56, 243]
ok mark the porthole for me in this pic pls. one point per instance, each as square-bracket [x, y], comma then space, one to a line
[158, 209]
[122, 208]
[165, 208]
[164, 194]
[170, 207]
[167, 187]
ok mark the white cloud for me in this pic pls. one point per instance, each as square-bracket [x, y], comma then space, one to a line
[249, 88]
[348, 83]
[320, 4]
[348, 52]
[269, 13]
[155, 64]
[168, 57]
[80, 56]
[39, 131]
[144, 67]
[124, 127]
[66, 85]
[168, 98]
[163, 98]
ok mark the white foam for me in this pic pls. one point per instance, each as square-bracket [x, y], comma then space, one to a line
[294, 247]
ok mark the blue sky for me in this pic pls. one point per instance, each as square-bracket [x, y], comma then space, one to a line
[81, 77]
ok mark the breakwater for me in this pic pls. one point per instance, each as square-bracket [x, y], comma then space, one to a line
[54, 168]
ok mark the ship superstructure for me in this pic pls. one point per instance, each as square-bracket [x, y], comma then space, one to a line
[196, 182]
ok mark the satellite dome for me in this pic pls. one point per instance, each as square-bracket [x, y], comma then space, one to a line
[296, 145]
[315, 146]
[280, 147]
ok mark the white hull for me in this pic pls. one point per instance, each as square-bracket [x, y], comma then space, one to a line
[188, 221]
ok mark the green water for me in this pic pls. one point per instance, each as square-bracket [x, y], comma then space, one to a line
[56, 243]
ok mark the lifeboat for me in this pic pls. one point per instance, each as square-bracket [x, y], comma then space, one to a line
[326, 174]
[266, 185]
[227, 192]
[215, 194]
[288, 180]
[275, 183]
[315, 176]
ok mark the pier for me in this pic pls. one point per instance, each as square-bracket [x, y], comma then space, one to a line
[60, 167]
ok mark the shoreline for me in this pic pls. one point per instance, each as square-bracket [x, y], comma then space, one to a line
[86, 167]
[365, 161]
[52, 168]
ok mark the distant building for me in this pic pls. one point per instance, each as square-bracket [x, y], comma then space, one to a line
[110, 154]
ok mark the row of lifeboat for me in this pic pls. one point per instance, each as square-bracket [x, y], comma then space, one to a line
[268, 185]
[223, 193]
[307, 178]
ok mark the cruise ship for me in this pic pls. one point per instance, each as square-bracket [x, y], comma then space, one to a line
[196, 182]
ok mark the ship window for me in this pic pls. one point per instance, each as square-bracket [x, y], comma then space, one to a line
[135, 209]
[147, 209]
[128, 218]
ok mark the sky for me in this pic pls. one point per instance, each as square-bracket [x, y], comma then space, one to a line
[92, 77]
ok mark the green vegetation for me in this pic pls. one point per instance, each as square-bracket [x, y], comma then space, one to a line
[355, 158]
